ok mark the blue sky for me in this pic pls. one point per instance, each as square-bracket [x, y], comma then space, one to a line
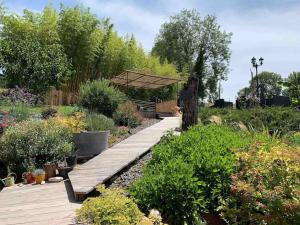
[267, 28]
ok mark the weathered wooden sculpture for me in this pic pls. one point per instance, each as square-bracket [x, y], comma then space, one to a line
[188, 102]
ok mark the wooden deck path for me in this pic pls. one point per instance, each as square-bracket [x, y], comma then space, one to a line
[48, 204]
[84, 178]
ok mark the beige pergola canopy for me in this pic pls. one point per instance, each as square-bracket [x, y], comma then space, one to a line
[143, 80]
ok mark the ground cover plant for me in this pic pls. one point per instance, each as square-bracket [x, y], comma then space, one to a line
[111, 207]
[282, 119]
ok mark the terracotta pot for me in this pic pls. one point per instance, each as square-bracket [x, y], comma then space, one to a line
[50, 170]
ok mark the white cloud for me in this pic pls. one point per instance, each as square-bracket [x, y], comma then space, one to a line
[270, 34]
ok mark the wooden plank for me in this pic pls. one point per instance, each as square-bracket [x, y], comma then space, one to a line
[51, 204]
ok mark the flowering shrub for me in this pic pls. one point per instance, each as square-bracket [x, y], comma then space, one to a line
[266, 188]
[76, 122]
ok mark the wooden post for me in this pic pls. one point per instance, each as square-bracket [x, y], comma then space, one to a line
[189, 103]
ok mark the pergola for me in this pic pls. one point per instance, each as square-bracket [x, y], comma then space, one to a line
[143, 80]
[135, 79]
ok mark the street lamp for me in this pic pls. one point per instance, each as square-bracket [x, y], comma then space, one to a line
[256, 65]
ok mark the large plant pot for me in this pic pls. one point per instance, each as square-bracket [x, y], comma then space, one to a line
[91, 143]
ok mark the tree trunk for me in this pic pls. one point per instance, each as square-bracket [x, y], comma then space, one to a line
[189, 103]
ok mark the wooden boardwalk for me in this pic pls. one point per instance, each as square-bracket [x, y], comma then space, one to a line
[84, 178]
[48, 204]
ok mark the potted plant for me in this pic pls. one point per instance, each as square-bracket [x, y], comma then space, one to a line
[39, 175]
[50, 170]
[95, 140]
[29, 177]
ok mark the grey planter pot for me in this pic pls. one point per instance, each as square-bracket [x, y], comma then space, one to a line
[91, 143]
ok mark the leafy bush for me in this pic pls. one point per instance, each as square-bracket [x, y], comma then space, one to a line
[75, 123]
[127, 115]
[34, 143]
[266, 188]
[99, 122]
[112, 207]
[100, 97]
[189, 174]
[284, 119]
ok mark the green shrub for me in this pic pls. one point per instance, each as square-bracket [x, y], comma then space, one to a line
[283, 119]
[112, 207]
[33, 143]
[100, 97]
[189, 174]
[99, 122]
[127, 115]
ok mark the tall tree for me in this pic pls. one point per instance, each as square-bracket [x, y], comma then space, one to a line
[292, 84]
[32, 56]
[197, 46]
[269, 85]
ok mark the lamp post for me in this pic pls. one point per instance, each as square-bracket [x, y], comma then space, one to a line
[256, 65]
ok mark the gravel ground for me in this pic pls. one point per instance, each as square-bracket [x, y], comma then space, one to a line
[126, 178]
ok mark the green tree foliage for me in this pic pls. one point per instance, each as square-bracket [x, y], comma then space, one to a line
[31, 54]
[292, 84]
[97, 51]
[66, 48]
[269, 84]
[196, 45]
